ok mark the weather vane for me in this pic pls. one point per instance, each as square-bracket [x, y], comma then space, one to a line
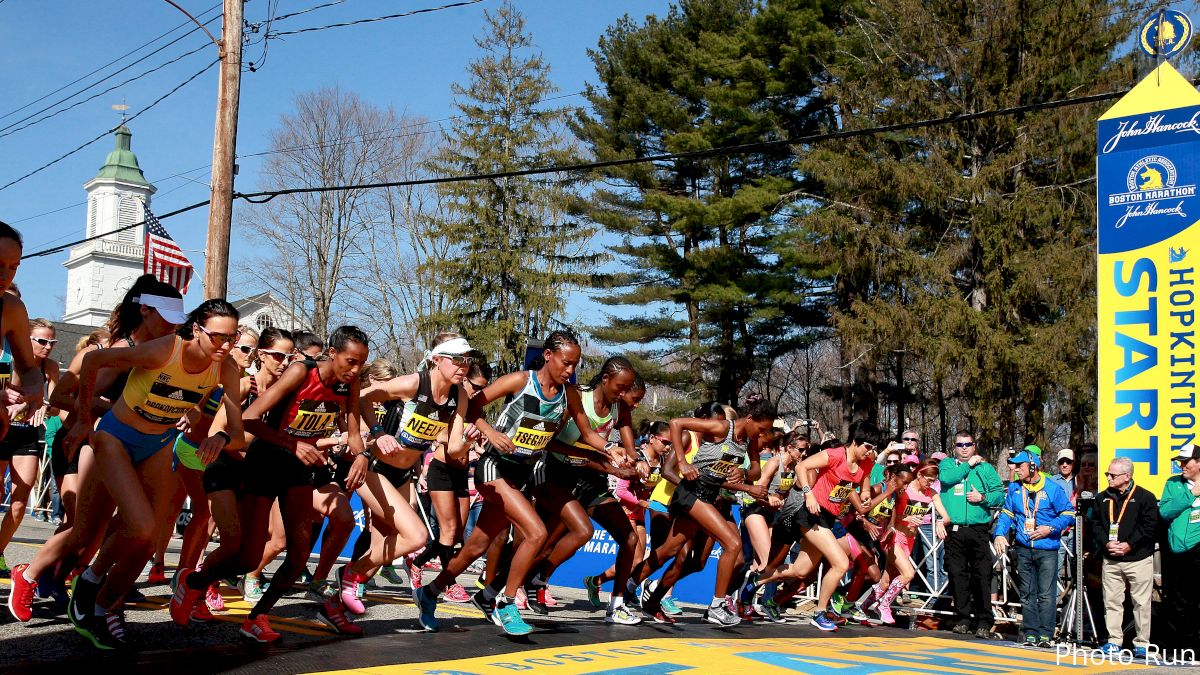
[121, 108]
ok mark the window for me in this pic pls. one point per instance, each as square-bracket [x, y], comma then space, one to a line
[130, 212]
[263, 321]
[91, 227]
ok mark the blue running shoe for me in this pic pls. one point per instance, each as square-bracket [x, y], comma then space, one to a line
[511, 621]
[1111, 648]
[426, 608]
[669, 607]
[821, 620]
[748, 590]
[1139, 652]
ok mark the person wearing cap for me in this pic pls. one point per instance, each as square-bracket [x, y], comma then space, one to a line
[970, 489]
[1128, 518]
[1064, 475]
[1038, 510]
[1180, 508]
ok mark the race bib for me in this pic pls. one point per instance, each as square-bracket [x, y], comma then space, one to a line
[314, 419]
[654, 477]
[166, 403]
[530, 437]
[841, 492]
[1112, 532]
[786, 483]
[420, 431]
[960, 490]
[5, 373]
[725, 466]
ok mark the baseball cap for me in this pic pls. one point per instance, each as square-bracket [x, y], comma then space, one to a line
[1026, 456]
[1066, 453]
[1033, 450]
[939, 455]
[1187, 452]
[911, 459]
[170, 309]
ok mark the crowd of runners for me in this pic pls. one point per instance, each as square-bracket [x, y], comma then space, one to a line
[268, 436]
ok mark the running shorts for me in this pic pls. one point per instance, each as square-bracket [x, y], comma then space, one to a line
[22, 441]
[442, 477]
[270, 471]
[226, 472]
[140, 446]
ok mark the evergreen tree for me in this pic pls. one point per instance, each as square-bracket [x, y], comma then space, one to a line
[516, 244]
[699, 253]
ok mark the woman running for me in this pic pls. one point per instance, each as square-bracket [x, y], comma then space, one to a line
[536, 410]
[21, 450]
[169, 377]
[758, 515]
[913, 504]
[287, 420]
[871, 530]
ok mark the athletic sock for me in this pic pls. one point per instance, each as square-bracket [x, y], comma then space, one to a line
[26, 577]
[615, 601]
[717, 601]
[501, 600]
[538, 581]
[89, 575]
[631, 587]
[489, 594]
[97, 610]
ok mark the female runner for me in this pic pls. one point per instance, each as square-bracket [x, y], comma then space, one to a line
[913, 504]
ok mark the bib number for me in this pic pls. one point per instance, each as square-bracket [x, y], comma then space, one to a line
[840, 493]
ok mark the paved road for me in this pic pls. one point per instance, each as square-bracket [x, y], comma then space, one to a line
[573, 639]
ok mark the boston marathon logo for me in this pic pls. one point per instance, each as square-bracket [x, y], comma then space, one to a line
[1165, 34]
[1149, 182]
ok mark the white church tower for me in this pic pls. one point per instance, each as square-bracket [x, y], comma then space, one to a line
[100, 271]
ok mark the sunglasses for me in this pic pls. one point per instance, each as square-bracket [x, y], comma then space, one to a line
[45, 342]
[245, 349]
[1110, 476]
[460, 360]
[890, 462]
[907, 439]
[869, 447]
[219, 338]
[277, 354]
[969, 444]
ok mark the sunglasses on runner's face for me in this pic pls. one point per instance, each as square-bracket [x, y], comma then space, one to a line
[245, 349]
[459, 360]
[45, 342]
[665, 441]
[219, 338]
[968, 444]
[277, 354]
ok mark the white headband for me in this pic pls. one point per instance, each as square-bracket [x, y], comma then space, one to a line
[170, 309]
[454, 347]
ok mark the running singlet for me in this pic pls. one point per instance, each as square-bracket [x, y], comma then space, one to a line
[418, 422]
[717, 461]
[530, 419]
[665, 488]
[882, 513]
[913, 502]
[312, 410]
[835, 482]
[651, 481]
[163, 396]
[569, 434]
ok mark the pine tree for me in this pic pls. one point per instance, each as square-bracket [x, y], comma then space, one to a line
[700, 255]
[516, 244]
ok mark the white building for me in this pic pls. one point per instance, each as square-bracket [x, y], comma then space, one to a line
[100, 271]
[265, 310]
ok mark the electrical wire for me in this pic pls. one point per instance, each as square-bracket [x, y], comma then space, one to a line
[357, 22]
[139, 113]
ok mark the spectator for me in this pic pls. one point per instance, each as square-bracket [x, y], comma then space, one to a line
[1065, 477]
[889, 457]
[1128, 516]
[1039, 511]
[970, 488]
[1180, 508]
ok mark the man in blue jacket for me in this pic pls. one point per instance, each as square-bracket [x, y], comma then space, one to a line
[1039, 511]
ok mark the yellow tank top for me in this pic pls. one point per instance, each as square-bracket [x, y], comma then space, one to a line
[164, 395]
[665, 488]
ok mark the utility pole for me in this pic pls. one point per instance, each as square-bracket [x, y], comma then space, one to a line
[220, 210]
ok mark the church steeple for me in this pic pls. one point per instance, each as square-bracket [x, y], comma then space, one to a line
[121, 164]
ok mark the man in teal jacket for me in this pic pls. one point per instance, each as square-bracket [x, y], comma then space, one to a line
[970, 489]
[1039, 511]
[1180, 508]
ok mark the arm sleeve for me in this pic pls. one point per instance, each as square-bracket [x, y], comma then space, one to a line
[1147, 521]
[993, 489]
[624, 495]
[1175, 500]
[1066, 512]
[1004, 522]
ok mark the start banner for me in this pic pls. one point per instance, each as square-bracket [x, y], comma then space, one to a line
[1147, 169]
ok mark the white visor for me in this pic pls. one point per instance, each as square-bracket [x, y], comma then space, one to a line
[455, 347]
[170, 309]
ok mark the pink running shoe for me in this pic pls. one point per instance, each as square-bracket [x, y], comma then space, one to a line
[414, 576]
[547, 599]
[458, 594]
[350, 582]
[522, 602]
[212, 598]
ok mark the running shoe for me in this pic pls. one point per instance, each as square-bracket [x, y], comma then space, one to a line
[510, 620]
[622, 616]
[522, 600]
[134, 596]
[201, 613]
[961, 628]
[482, 605]
[835, 617]
[857, 614]
[479, 584]
[984, 633]
[721, 616]
[184, 599]
[83, 600]
[535, 602]
[20, 597]
[306, 577]
[770, 611]
[748, 590]
[351, 583]
[426, 602]
[1047, 643]
[592, 584]
[317, 591]
[1139, 652]
[1111, 648]
[456, 594]
[547, 599]
[158, 574]
[885, 614]
[259, 629]
[332, 615]
[659, 615]
[105, 632]
[669, 607]
[821, 621]
[213, 599]
[5, 573]
[414, 576]
[389, 573]
[840, 604]
[1030, 641]
[647, 590]
[45, 584]
[251, 589]
[730, 605]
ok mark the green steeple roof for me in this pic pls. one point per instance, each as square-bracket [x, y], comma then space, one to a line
[122, 164]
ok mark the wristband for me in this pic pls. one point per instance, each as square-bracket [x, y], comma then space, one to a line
[224, 435]
[805, 489]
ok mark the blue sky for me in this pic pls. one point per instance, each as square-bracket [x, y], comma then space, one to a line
[408, 63]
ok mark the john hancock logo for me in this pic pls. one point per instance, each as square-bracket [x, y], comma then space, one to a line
[1152, 190]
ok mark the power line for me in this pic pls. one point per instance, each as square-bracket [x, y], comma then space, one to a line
[373, 19]
[106, 133]
[64, 247]
[116, 60]
[310, 9]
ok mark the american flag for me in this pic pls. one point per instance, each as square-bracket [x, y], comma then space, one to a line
[164, 259]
